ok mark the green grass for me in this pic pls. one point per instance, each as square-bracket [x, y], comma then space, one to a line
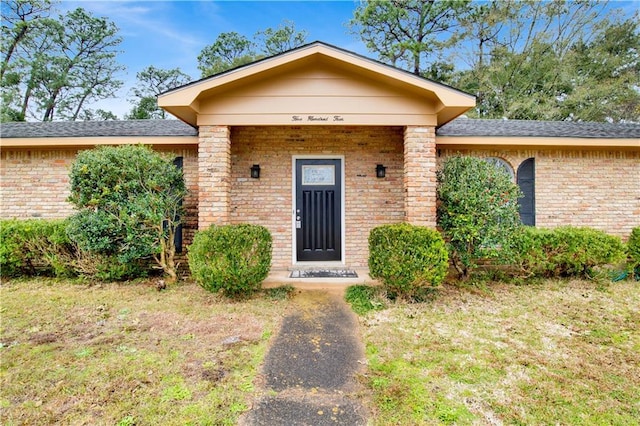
[553, 353]
[363, 298]
[127, 354]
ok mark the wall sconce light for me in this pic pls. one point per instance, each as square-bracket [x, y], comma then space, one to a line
[380, 171]
[255, 171]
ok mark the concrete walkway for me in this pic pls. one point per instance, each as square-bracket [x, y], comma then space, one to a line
[310, 369]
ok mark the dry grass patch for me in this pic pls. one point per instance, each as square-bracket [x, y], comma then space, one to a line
[557, 353]
[128, 354]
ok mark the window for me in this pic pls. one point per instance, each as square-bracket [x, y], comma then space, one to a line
[501, 164]
[527, 183]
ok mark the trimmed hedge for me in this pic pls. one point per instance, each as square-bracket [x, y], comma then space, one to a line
[565, 251]
[408, 259]
[35, 247]
[633, 252]
[232, 259]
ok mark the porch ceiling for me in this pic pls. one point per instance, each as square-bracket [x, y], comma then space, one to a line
[316, 84]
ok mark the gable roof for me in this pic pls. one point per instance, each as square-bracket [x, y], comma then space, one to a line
[456, 132]
[186, 102]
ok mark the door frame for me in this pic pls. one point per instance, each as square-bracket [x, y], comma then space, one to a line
[294, 179]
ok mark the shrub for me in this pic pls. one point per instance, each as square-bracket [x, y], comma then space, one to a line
[35, 246]
[232, 259]
[633, 251]
[408, 259]
[566, 251]
[477, 211]
[130, 201]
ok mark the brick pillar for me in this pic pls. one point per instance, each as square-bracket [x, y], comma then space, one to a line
[420, 175]
[214, 175]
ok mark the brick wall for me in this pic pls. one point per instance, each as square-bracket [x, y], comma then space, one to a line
[267, 201]
[35, 184]
[595, 188]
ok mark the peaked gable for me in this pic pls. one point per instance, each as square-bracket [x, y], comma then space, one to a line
[316, 84]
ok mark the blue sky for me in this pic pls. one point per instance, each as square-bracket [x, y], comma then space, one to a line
[169, 34]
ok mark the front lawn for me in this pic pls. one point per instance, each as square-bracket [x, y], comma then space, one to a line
[124, 354]
[556, 353]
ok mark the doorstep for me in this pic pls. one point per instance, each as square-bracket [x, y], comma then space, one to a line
[282, 277]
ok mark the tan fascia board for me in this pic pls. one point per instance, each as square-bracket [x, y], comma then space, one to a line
[546, 142]
[188, 94]
[53, 142]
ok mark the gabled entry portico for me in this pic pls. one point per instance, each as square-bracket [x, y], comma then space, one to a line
[317, 120]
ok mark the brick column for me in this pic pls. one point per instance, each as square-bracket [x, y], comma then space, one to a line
[214, 175]
[420, 175]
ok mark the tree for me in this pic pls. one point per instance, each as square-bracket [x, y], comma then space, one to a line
[231, 50]
[19, 19]
[537, 60]
[130, 204]
[54, 68]
[406, 33]
[151, 82]
[281, 39]
[477, 211]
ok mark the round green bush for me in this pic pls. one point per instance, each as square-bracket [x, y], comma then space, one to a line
[407, 259]
[232, 259]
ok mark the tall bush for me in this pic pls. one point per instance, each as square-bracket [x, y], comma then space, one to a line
[477, 211]
[407, 258]
[232, 259]
[129, 200]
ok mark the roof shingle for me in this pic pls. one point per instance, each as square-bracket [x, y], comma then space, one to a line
[70, 129]
[457, 127]
[531, 128]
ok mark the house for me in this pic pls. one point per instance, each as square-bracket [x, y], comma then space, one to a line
[320, 145]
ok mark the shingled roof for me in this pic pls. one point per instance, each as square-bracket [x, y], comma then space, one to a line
[457, 127]
[530, 128]
[111, 128]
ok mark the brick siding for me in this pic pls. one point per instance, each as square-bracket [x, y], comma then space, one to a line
[595, 188]
[35, 184]
[268, 201]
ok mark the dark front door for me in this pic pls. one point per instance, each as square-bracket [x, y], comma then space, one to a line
[318, 210]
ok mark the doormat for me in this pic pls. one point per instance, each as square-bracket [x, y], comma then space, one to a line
[324, 273]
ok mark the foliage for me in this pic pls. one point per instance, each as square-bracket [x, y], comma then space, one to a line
[231, 50]
[36, 246]
[406, 33]
[151, 82]
[232, 259]
[130, 202]
[364, 299]
[53, 68]
[477, 211]
[565, 251]
[553, 60]
[408, 259]
[633, 251]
